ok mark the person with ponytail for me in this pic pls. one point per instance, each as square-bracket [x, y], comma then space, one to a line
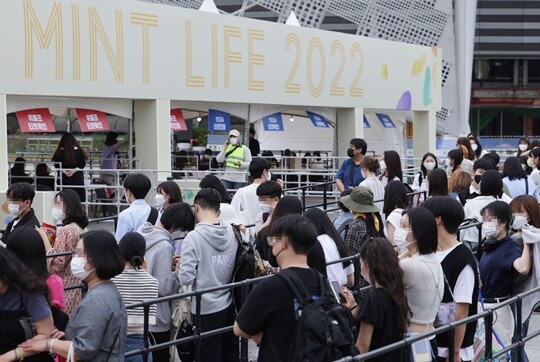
[134, 285]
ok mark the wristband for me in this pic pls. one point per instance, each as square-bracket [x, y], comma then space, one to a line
[50, 343]
[353, 308]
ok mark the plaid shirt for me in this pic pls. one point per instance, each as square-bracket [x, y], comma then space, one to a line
[356, 236]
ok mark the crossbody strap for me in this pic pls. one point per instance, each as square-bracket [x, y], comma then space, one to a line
[351, 173]
[231, 151]
[297, 286]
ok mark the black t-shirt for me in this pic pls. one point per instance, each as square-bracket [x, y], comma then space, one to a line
[270, 308]
[378, 309]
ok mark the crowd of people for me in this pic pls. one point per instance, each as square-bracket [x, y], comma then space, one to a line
[412, 273]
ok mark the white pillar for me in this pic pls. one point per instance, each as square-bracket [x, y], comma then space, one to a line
[350, 124]
[153, 135]
[4, 164]
[424, 132]
[464, 25]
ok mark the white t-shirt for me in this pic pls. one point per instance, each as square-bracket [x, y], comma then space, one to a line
[376, 186]
[331, 253]
[463, 293]
[246, 202]
[417, 187]
[394, 218]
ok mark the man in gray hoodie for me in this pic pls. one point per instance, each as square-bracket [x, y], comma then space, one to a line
[207, 261]
[159, 257]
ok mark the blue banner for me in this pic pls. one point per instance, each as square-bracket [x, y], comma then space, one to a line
[317, 120]
[386, 121]
[366, 123]
[273, 122]
[218, 121]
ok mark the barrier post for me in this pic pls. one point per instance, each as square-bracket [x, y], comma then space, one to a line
[243, 341]
[489, 335]
[451, 344]
[519, 326]
[325, 201]
[304, 198]
[146, 333]
[198, 298]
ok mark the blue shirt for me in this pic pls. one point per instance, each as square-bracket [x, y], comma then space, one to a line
[132, 218]
[497, 269]
[345, 171]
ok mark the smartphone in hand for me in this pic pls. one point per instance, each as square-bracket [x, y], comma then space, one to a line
[338, 293]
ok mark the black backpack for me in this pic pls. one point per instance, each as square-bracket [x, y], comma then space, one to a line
[325, 330]
[245, 266]
[152, 217]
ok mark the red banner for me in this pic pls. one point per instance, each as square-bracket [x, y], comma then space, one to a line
[178, 123]
[35, 120]
[92, 121]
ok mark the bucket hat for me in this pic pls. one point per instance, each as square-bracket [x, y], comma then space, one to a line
[360, 200]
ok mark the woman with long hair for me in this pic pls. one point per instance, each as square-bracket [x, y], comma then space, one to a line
[97, 331]
[534, 163]
[27, 243]
[22, 294]
[134, 285]
[476, 146]
[390, 167]
[516, 180]
[167, 193]
[68, 211]
[17, 173]
[395, 202]
[423, 275]
[455, 158]
[384, 314]
[437, 183]
[524, 147]
[465, 142]
[333, 246]
[109, 158]
[72, 160]
[420, 181]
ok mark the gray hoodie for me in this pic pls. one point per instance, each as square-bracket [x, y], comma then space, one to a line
[159, 254]
[208, 256]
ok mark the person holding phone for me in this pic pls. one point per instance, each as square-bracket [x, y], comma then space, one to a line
[237, 158]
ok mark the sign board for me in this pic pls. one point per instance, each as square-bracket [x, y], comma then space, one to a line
[35, 120]
[178, 123]
[218, 121]
[317, 120]
[92, 121]
[366, 123]
[273, 122]
[386, 121]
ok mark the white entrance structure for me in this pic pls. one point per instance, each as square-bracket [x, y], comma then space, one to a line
[154, 55]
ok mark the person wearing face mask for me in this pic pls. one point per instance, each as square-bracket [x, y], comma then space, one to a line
[461, 278]
[369, 167]
[476, 147]
[20, 197]
[526, 220]
[269, 193]
[501, 261]
[68, 211]
[395, 202]
[524, 147]
[207, 261]
[534, 163]
[420, 184]
[237, 159]
[480, 166]
[268, 315]
[384, 315]
[159, 256]
[167, 193]
[245, 201]
[349, 174]
[97, 331]
[391, 167]
[423, 277]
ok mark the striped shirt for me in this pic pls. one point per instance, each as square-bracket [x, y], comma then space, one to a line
[135, 286]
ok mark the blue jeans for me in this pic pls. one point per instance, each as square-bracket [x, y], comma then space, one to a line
[135, 342]
[230, 185]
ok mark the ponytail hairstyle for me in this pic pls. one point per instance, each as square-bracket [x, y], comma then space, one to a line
[133, 247]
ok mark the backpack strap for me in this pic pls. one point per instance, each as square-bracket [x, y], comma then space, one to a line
[152, 217]
[351, 173]
[345, 226]
[297, 286]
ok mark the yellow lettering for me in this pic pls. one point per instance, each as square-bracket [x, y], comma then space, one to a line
[146, 21]
[230, 57]
[254, 59]
[191, 80]
[54, 27]
[76, 23]
[115, 60]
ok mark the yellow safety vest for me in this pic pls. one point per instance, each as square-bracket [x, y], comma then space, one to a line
[235, 156]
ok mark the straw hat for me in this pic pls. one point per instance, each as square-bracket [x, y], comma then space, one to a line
[360, 200]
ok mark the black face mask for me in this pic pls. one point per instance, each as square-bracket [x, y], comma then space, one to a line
[350, 152]
[477, 178]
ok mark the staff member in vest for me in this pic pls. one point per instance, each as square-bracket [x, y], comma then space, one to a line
[237, 158]
[350, 174]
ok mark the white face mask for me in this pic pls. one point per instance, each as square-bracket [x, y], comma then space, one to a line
[400, 239]
[429, 165]
[530, 162]
[264, 207]
[269, 176]
[58, 214]
[519, 221]
[523, 147]
[383, 165]
[232, 140]
[77, 267]
[474, 146]
[489, 229]
[14, 209]
[159, 200]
